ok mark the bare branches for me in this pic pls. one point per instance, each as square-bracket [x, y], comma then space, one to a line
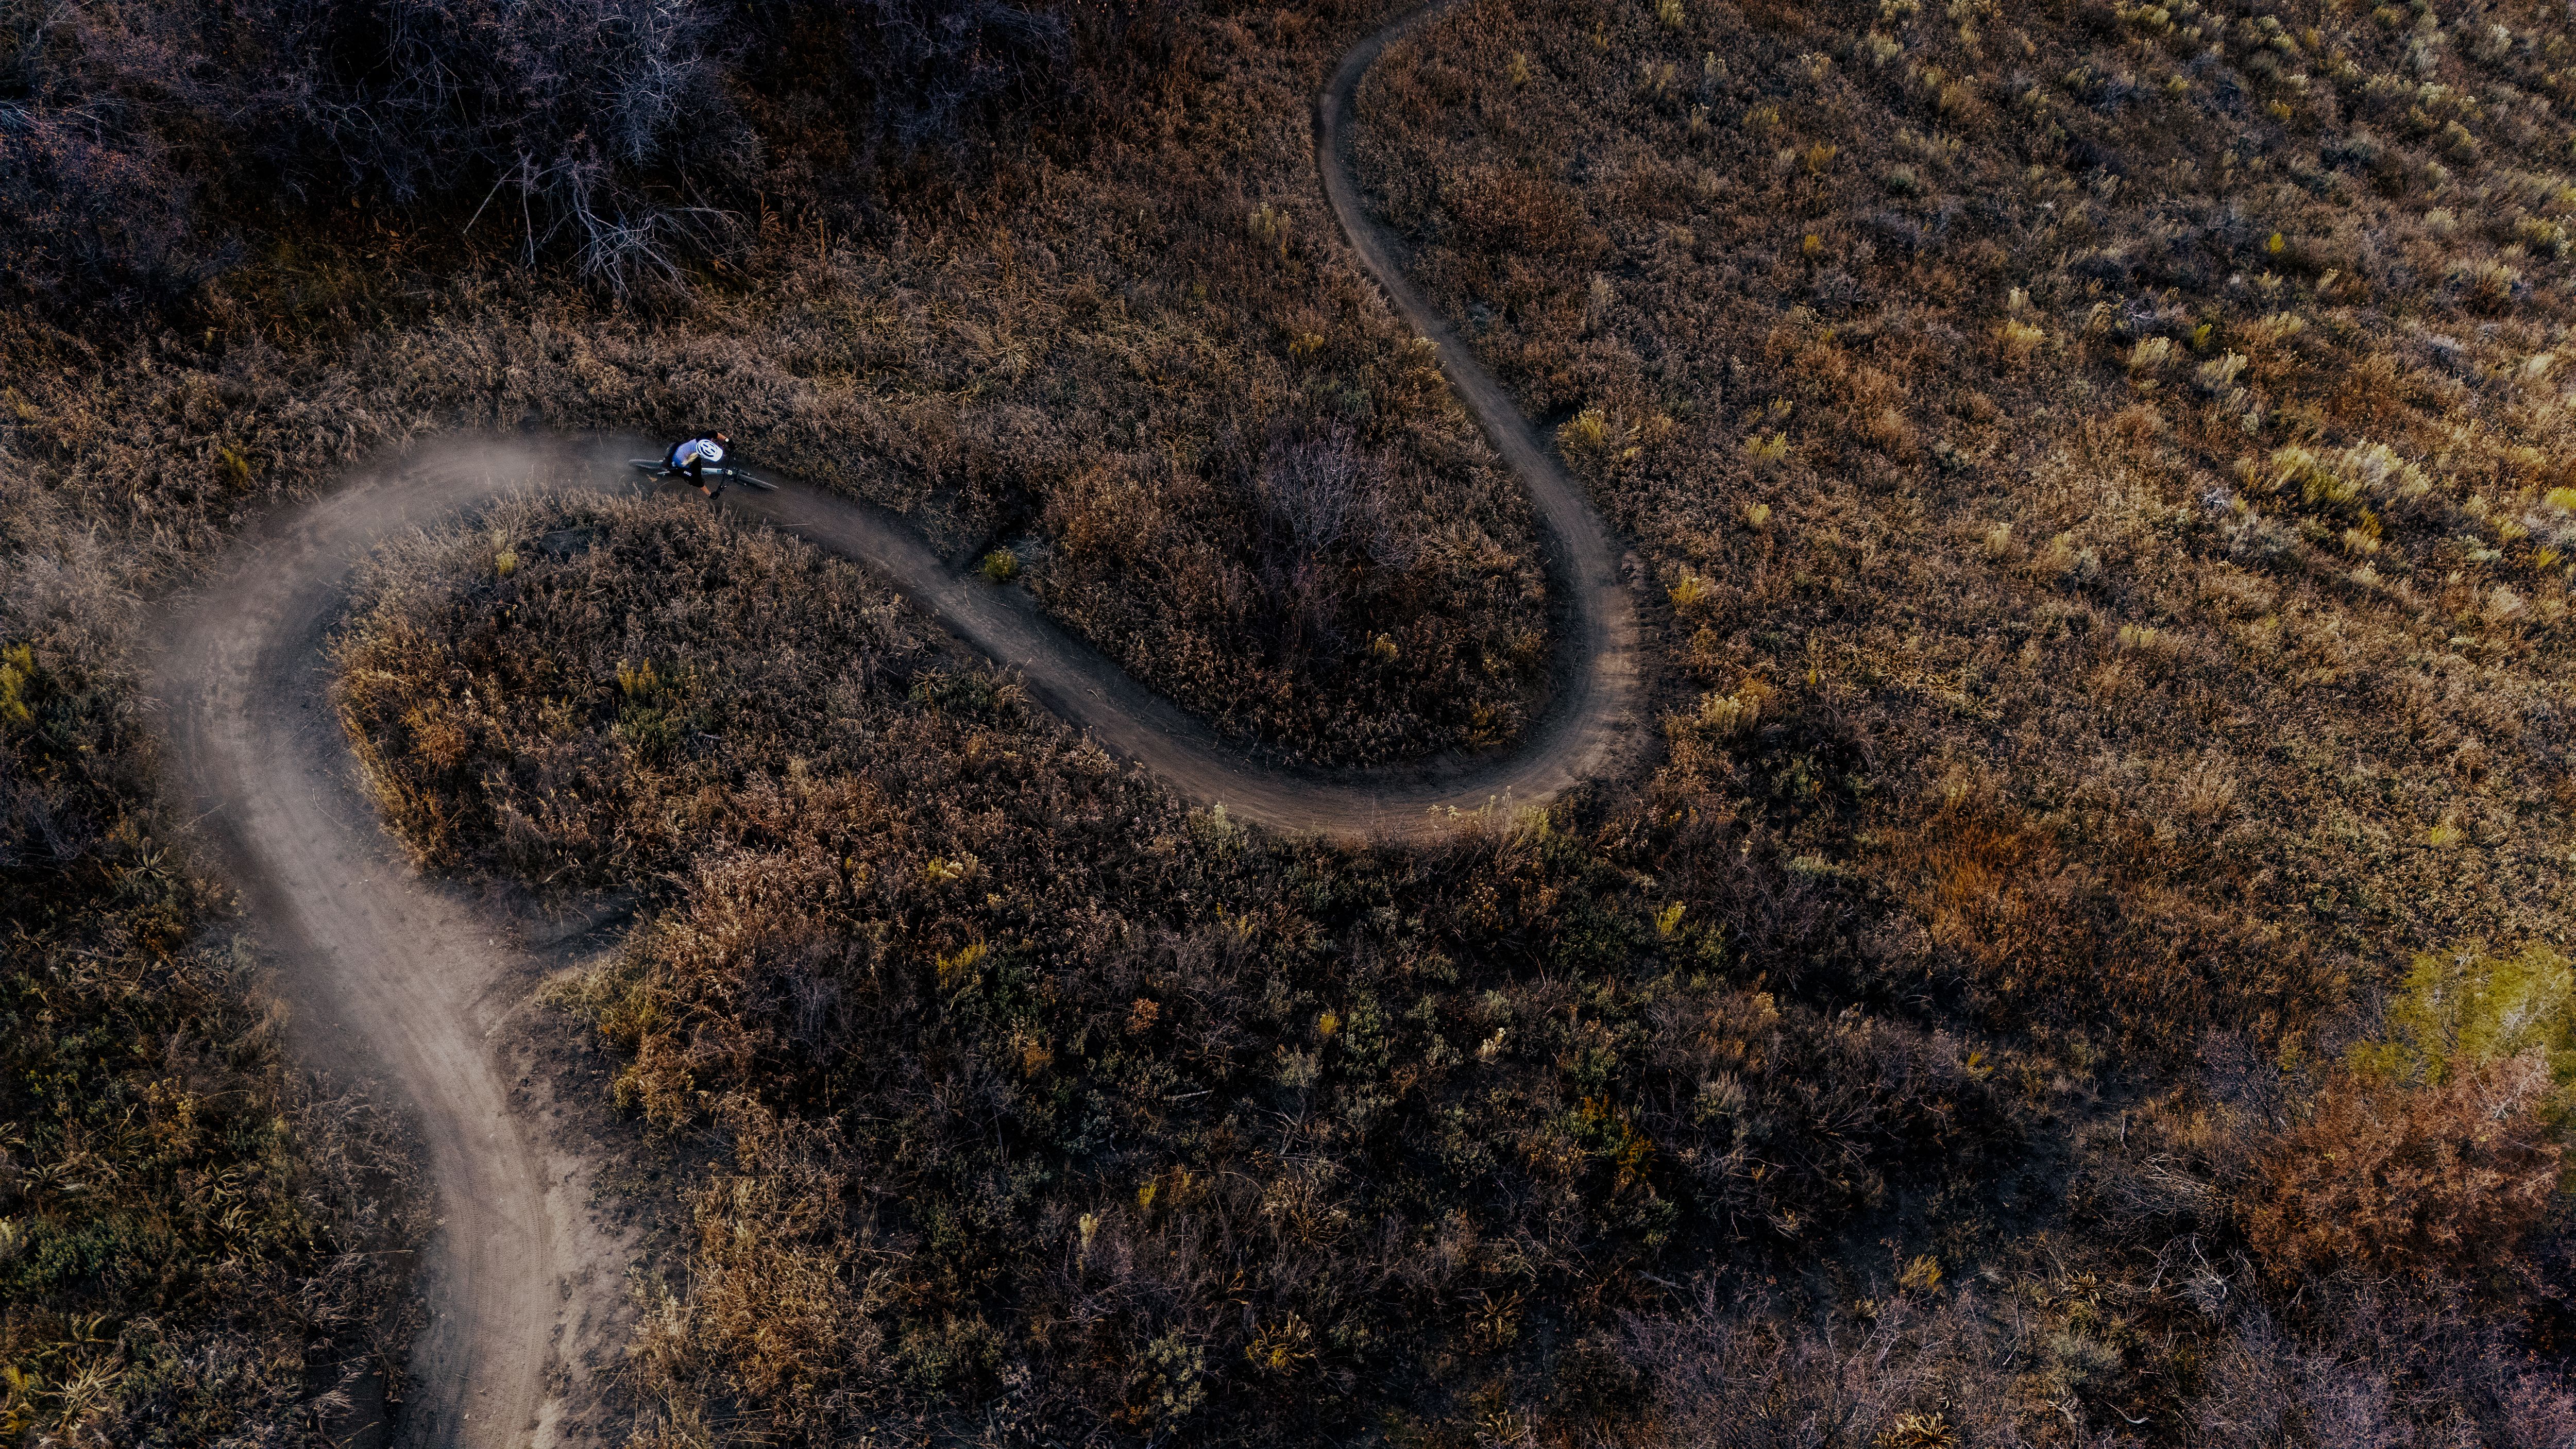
[618, 125]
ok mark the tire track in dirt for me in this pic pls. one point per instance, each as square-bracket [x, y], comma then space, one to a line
[405, 979]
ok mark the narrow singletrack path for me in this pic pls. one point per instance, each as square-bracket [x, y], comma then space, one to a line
[405, 979]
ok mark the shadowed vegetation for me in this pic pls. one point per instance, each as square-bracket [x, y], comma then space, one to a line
[246, 247]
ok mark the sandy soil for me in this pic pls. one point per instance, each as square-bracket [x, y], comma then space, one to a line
[425, 986]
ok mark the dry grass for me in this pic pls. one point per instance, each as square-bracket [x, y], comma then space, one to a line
[2104, 470]
[1049, 1099]
[1146, 365]
[196, 1244]
[1093, 322]
[2320, 569]
[1045, 1093]
[2102, 464]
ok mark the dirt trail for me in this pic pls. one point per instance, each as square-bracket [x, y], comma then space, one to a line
[404, 979]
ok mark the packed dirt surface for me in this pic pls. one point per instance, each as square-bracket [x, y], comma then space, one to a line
[405, 979]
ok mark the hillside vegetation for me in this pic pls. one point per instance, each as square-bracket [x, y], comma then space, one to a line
[1056, 1106]
[1051, 1100]
[2088, 967]
[197, 1244]
[1129, 350]
[2143, 425]
[244, 247]
[2099, 468]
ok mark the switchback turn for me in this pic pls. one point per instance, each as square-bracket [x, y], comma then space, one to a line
[400, 977]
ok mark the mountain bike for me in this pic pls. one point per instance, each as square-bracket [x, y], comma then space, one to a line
[658, 469]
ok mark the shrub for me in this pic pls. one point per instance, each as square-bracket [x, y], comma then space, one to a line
[2016, 342]
[611, 134]
[2445, 1178]
[2439, 1149]
[2459, 1011]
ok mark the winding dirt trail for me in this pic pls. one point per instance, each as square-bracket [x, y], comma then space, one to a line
[409, 980]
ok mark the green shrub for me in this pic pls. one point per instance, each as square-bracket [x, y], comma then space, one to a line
[2463, 1009]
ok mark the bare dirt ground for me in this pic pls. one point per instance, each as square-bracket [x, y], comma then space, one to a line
[391, 975]
[416, 982]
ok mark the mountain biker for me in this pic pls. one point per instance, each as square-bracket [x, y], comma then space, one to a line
[693, 455]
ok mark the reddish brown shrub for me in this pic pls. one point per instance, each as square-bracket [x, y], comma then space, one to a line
[2443, 1179]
